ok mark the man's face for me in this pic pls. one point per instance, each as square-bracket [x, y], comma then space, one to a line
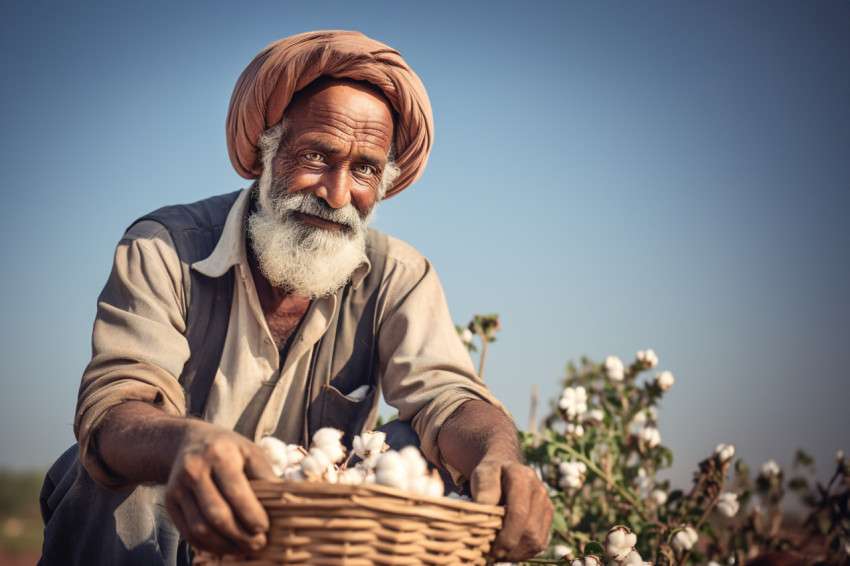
[335, 148]
[317, 191]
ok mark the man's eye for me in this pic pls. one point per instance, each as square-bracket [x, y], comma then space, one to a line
[365, 169]
[314, 157]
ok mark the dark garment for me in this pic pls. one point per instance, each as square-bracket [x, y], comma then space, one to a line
[87, 524]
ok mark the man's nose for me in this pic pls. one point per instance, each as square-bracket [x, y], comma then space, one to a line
[335, 187]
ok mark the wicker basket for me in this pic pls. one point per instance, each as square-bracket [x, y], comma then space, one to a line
[366, 525]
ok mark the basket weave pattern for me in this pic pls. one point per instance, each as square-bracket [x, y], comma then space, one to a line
[366, 525]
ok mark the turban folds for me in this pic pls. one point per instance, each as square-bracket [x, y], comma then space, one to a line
[266, 86]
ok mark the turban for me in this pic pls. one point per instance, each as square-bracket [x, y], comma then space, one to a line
[266, 86]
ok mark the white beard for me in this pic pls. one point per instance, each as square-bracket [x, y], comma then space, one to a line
[301, 258]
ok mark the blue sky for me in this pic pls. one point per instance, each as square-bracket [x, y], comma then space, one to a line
[607, 176]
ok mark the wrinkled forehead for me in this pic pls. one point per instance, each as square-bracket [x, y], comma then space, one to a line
[343, 110]
[325, 82]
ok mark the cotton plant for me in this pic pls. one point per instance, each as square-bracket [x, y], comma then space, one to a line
[600, 450]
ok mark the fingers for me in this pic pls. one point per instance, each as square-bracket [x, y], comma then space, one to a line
[210, 498]
[486, 483]
[528, 514]
[236, 489]
[192, 525]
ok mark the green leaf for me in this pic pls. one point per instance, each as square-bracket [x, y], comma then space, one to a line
[594, 548]
[559, 523]
[709, 531]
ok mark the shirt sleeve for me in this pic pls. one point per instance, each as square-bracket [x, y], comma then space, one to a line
[138, 347]
[427, 373]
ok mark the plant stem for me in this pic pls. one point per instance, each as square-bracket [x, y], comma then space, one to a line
[608, 479]
[483, 356]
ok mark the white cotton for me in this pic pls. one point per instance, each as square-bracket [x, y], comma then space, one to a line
[575, 429]
[391, 470]
[658, 496]
[727, 504]
[573, 401]
[647, 358]
[466, 336]
[770, 469]
[329, 441]
[572, 474]
[294, 474]
[724, 452]
[316, 464]
[650, 436]
[619, 542]
[587, 561]
[368, 442]
[613, 368]
[633, 559]
[414, 461]
[685, 539]
[351, 476]
[276, 451]
[561, 550]
[359, 394]
[641, 480]
[665, 380]
[596, 415]
[453, 495]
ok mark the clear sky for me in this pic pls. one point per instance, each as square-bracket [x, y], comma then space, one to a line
[607, 176]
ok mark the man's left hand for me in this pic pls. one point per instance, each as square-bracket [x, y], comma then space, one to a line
[528, 510]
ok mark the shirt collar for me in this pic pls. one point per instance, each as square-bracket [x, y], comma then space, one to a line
[231, 249]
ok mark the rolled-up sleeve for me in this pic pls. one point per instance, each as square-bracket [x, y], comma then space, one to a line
[138, 347]
[427, 372]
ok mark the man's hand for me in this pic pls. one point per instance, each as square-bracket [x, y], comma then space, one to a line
[208, 495]
[206, 468]
[481, 442]
[528, 510]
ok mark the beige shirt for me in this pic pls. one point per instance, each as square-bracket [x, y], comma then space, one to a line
[139, 348]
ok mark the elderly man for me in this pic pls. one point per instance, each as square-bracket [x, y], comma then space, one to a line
[275, 311]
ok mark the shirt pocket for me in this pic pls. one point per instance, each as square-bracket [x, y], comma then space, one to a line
[335, 409]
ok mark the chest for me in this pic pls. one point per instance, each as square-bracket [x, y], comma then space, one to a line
[284, 317]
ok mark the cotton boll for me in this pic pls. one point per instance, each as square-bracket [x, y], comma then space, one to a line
[633, 559]
[561, 550]
[770, 469]
[294, 454]
[368, 446]
[727, 504]
[328, 440]
[619, 542]
[391, 470]
[415, 462]
[658, 496]
[275, 450]
[351, 476]
[724, 452]
[650, 436]
[316, 464]
[294, 474]
[587, 561]
[647, 359]
[613, 368]
[664, 380]
[685, 539]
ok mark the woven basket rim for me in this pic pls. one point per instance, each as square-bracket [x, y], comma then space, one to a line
[306, 488]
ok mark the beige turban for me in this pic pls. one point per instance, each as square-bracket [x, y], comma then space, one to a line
[266, 86]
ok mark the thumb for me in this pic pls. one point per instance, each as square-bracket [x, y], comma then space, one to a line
[258, 467]
[486, 484]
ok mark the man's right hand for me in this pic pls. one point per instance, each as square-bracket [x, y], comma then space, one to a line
[206, 468]
[208, 495]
